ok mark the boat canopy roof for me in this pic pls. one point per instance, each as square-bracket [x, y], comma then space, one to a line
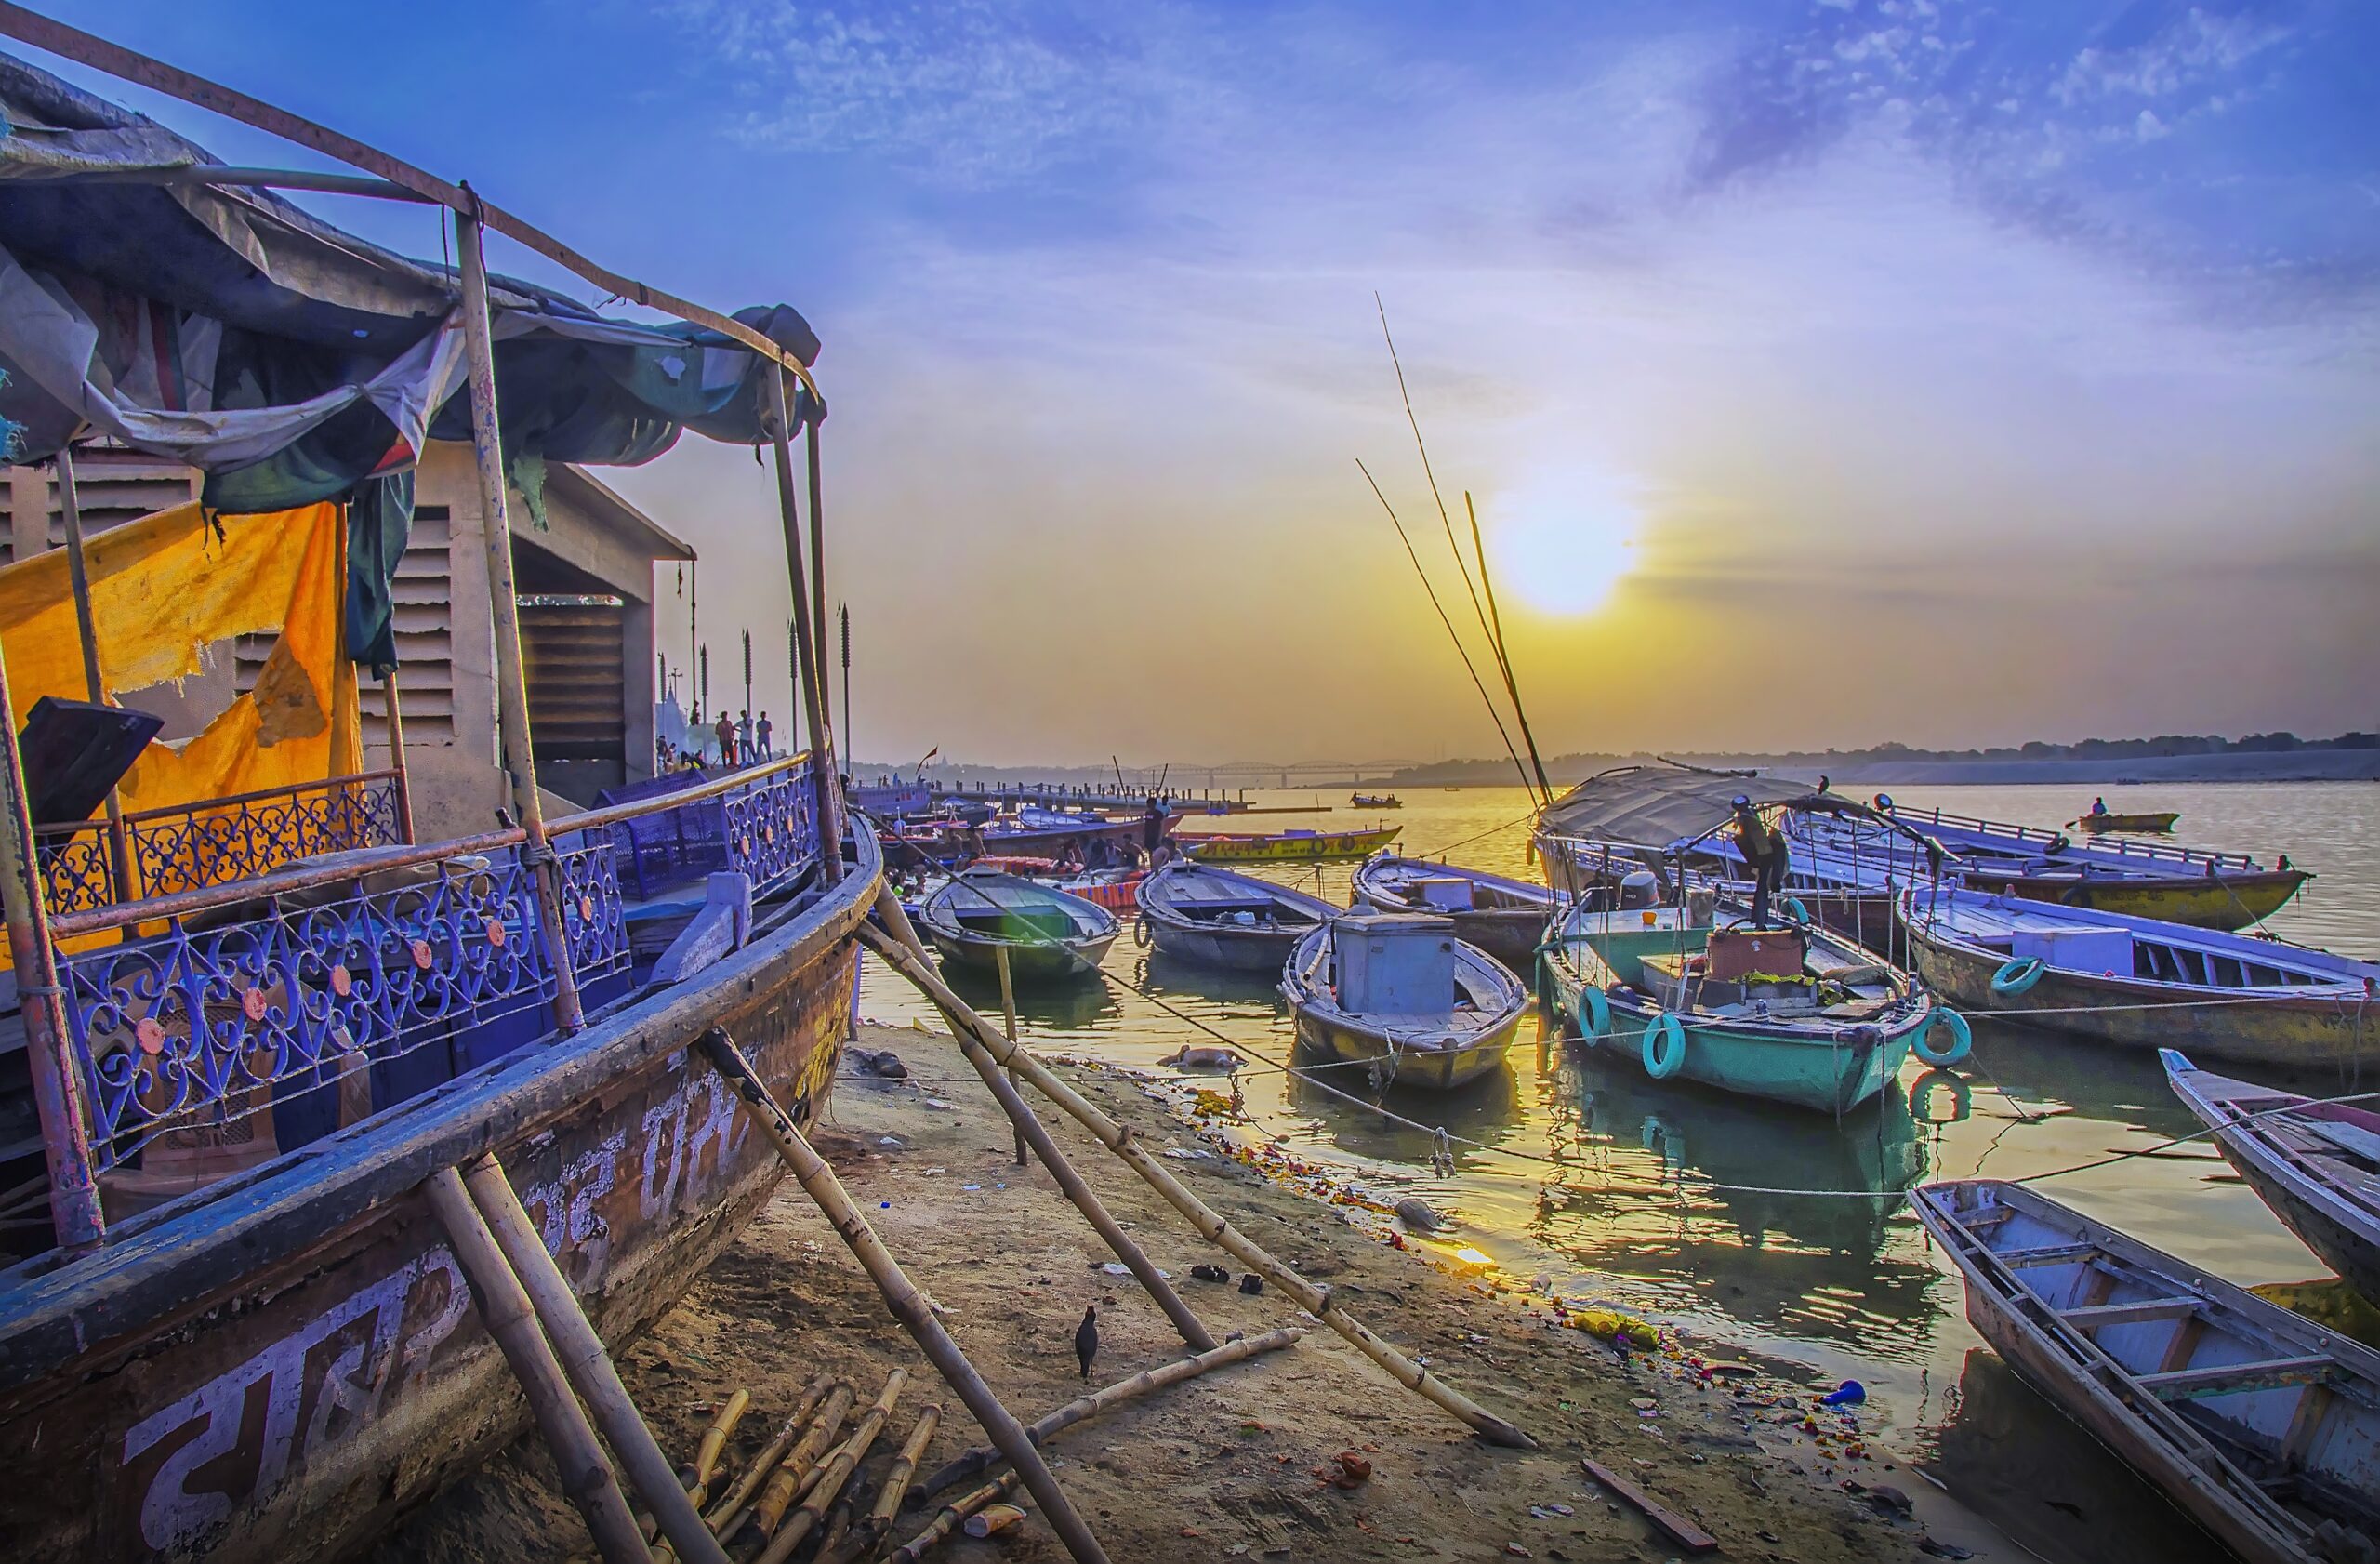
[1667, 807]
[222, 326]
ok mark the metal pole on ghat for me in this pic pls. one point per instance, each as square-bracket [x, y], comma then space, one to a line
[810, 679]
[511, 687]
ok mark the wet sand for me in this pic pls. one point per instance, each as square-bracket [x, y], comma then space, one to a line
[1225, 1466]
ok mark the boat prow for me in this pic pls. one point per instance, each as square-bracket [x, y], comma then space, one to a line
[978, 917]
[1212, 917]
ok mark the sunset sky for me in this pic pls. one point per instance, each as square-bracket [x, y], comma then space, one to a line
[1824, 374]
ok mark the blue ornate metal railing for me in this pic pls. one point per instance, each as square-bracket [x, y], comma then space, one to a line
[766, 827]
[219, 840]
[317, 998]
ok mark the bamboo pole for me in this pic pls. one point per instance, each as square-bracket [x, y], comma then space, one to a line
[696, 1477]
[511, 687]
[587, 1480]
[78, 580]
[949, 1519]
[1007, 1014]
[808, 675]
[1083, 1408]
[828, 1484]
[907, 1303]
[785, 1483]
[1117, 1138]
[730, 1510]
[76, 1219]
[395, 714]
[589, 1366]
[1031, 1131]
[895, 1488]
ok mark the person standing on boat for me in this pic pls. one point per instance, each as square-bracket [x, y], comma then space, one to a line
[744, 736]
[1762, 846]
[1153, 830]
[766, 732]
[725, 729]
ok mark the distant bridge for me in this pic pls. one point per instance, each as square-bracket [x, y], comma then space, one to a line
[1297, 774]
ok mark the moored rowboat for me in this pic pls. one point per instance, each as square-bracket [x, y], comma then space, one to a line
[1219, 919]
[1440, 1038]
[1047, 934]
[1294, 846]
[2259, 1425]
[2139, 981]
[1506, 918]
[2316, 1164]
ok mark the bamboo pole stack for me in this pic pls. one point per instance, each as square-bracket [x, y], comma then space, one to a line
[1318, 1301]
[828, 1483]
[785, 1484]
[724, 1516]
[949, 1517]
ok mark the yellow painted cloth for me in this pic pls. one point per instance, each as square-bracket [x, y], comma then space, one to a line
[165, 588]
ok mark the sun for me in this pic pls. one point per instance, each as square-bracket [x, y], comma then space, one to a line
[1562, 539]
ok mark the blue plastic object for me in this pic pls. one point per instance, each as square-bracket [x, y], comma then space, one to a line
[1850, 1393]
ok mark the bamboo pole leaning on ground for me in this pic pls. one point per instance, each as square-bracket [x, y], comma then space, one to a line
[785, 1483]
[590, 1368]
[869, 1533]
[836, 1471]
[1083, 1408]
[1007, 1011]
[587, 1480]
[948, 1517]
[908, 1305]
[1031, 1132]
[731, 1509]
[1317, 1301]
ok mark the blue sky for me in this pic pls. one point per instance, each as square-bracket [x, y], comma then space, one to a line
[2016, 363]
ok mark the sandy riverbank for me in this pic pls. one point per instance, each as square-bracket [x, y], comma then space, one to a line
[1222, 1467]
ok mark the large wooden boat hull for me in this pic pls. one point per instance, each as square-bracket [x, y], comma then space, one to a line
[2229, 903]
[2290, 1033]
[2096, 1322]
[1436, 1069]
[281, 1366]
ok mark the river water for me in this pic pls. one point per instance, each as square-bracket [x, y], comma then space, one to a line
[1647, 1203]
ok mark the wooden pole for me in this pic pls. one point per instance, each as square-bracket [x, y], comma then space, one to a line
[696, 1479]
[730, 1510]
[78, 579]
[590, 1368]
[587, 1480]
[397, 755]
[907, 1303]
[1031, 1131]
[1317, 1301]
[887, 1508]
[948, 1520]
[1083, 1408]
[75, 1217]
[511, 687]
[785, 1483]
[1008, 1012]
[809, 675]
[836, 1471]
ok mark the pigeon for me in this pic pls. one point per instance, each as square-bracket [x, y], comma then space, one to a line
[1087, 1338]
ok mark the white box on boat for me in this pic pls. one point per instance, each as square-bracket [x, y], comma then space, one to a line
[2078, 948]
[1443, 893]
[1394, 964]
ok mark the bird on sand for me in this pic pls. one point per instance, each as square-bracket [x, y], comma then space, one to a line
[1087, 1338]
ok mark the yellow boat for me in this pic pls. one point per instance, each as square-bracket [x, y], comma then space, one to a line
[2144, 820]
[2229, 901]
[1279, 847]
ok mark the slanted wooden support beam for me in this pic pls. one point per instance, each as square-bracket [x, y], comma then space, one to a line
[1318, 1301]
[78, 580]
[588, 1365]
[587, 1480]
[396, 715]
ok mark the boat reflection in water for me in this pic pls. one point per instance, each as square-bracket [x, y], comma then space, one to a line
[1079, 1007]
[2015, 1460]
[1682, 1190]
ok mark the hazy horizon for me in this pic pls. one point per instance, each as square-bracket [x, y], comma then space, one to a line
[1869, 370]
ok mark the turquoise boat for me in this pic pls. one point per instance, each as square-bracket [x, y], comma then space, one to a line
[1827, 1030]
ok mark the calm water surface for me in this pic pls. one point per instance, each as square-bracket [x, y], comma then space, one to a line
[1656, 1201]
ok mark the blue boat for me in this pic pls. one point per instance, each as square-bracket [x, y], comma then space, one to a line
[1217, 918]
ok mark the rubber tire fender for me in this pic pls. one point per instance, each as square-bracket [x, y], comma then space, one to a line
[1664, 1045]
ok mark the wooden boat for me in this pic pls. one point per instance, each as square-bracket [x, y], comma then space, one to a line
[2139, 981]
[1116, 890]
[1506, 918]
[1287, 847]
[2153, 820]
[1218, 919]
[1451, 1035]
[1813, 1021]
[1376, 800]
[1049, 936]
[2261, 1425]
[2316, 1164]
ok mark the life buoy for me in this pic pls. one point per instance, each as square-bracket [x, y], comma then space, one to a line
[1140, 934]
[2017, 976]
[1594, 1013]
[1922, 1088]
[1795, 911]
[1664, 1047]
[1961, 1039]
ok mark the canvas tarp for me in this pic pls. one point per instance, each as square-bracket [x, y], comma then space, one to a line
[1658, 807]
[167, 588]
